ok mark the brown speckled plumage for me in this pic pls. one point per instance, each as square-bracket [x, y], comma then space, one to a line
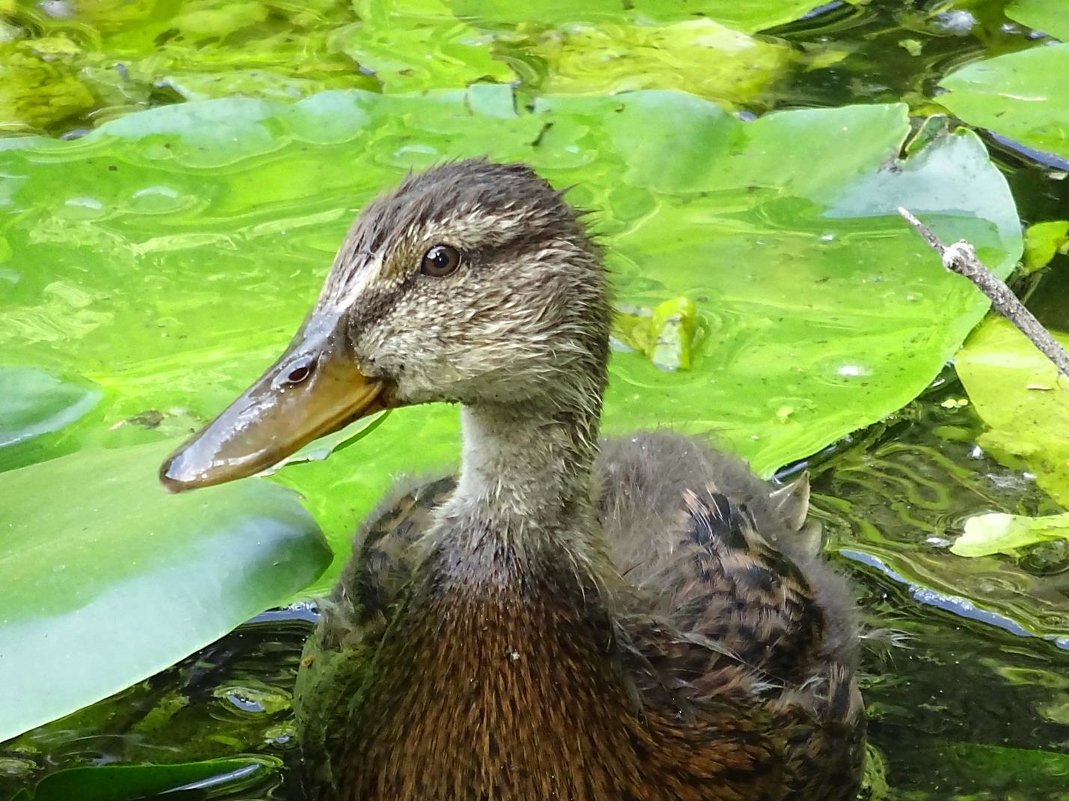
[635, 620]
[717, 669]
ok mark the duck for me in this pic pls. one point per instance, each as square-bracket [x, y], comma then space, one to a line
[637, 618]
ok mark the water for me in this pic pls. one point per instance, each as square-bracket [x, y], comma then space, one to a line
[970, 681]
[976, 682]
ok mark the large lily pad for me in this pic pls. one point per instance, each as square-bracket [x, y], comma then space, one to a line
[1023, 400]
[1047, 16]
[167, 257]
[107, 579]
[1023, 96]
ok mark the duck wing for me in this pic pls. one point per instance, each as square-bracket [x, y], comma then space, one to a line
[722, 558]
[354, 617]
[728, 612]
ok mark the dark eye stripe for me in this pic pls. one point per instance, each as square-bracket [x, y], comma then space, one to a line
[374, 304]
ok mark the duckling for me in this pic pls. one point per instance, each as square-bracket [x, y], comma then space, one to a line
[639, 619]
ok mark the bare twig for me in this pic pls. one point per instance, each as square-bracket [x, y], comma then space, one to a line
[961, 258]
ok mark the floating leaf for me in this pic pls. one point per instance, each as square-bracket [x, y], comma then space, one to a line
[174, 252]
[34, 402]
[1002, 533]
[748, 15]
[664, 334]
[110, 579]
[135, 782]
[1047, 16]
[1042, 241]
[1022, 96]
[416, 44]
[697, 56]
[1023, 401]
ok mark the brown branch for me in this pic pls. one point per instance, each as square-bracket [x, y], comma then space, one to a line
[961, 258]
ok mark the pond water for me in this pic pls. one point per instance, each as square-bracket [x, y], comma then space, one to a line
[963, 704]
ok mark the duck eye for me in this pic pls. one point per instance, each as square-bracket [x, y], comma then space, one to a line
[440, 260]
[299, 370]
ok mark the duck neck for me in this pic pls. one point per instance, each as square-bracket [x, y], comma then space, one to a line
[526, 473]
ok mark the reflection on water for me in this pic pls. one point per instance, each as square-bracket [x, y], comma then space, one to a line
[981, 682]
[231, 698]
[889, 51]
[901, 498]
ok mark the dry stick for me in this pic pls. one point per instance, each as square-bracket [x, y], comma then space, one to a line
[961, 258]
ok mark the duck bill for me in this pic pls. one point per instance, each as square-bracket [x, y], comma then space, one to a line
[312, 390]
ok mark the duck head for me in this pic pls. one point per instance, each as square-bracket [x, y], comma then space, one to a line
[472, 283]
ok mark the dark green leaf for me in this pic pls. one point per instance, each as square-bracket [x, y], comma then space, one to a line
[134, 782]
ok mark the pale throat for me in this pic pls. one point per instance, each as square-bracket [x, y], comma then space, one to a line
[522, 466]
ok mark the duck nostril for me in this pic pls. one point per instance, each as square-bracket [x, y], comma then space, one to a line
[300, 370]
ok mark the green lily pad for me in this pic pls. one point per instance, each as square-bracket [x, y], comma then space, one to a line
[746, 15]
[1047, 16]
[416, 44]
[107, 579]
[35, 402]
[134, 782]
[699, 56]
[1022, 96]
[173, 253]
[1002, 533]
[1023, 401]
[1042, 241]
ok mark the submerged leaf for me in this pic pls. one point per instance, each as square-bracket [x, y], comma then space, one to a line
[749, 15]
[697, 56]
[134, 782]
[123, 56]
[38, 89]
[418, 44]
